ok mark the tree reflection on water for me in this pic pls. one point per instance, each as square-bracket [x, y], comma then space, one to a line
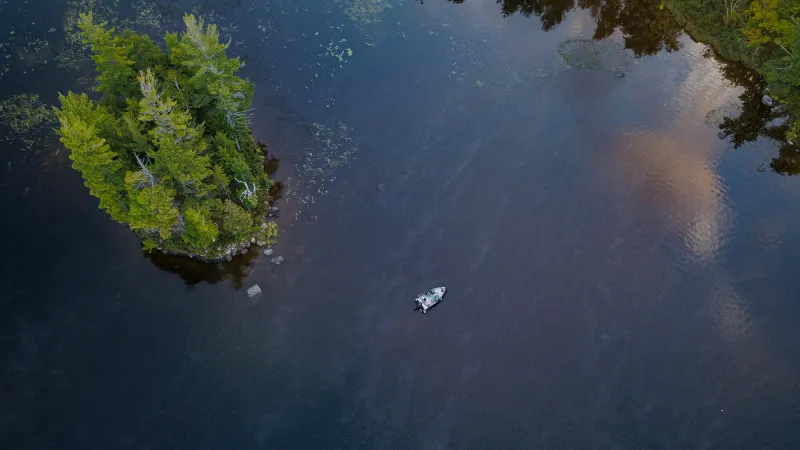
[194, 272]
[647, 29]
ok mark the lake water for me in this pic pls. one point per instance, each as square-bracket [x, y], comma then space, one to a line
[619, 277]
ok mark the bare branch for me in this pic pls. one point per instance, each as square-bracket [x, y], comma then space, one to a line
[248, 192]
[151, 180]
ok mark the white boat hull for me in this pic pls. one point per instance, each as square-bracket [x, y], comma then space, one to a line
[429, 299]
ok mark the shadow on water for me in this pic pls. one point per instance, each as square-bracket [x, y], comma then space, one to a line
[194, 272]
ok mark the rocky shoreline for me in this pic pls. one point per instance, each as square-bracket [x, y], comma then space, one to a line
[226, 253]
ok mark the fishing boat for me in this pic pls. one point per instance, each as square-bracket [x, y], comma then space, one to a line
[429, 299]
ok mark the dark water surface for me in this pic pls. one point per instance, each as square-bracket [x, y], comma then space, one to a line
[618, 277]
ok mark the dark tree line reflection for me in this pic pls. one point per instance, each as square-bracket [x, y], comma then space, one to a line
[757, 119]
[647, 29]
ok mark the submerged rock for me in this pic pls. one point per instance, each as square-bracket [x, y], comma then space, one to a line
[313, 219]
[721, 135]
[767, 100]
[268, 252]
[253, 290]
[620, 74]
[277, 260]
[261, 243]
[587, 53]
[380, 187]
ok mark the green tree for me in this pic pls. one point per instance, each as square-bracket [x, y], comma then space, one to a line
[111, 56]
[200, 231]
[151, 205]
[772, 22]
[221, 179]
[236, 222]
[231, 160]
[179, 143]
[776, 23]
[102, 171]
[170, 139]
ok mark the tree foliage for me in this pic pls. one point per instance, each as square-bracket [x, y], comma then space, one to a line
[200, 230]
[236, 223]
[765, 36]
[169, 139]
[771, 22]
[774, 25]
[82, 127]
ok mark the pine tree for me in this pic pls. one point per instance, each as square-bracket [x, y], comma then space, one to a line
[90, 153]
[237, 169]
[112, 58]
[231, 160]
[221, 179]
[179, 143]
[151, 205]
[200, 230]
[236, 222]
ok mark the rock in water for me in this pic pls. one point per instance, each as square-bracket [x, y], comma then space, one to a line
[380, 187]
[620, 75]
[721, 135]
[767, 100]
[591, 54]
[277, 260]
[253, 290]
[268, 252]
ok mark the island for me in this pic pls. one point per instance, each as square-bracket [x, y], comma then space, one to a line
[166, 146]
